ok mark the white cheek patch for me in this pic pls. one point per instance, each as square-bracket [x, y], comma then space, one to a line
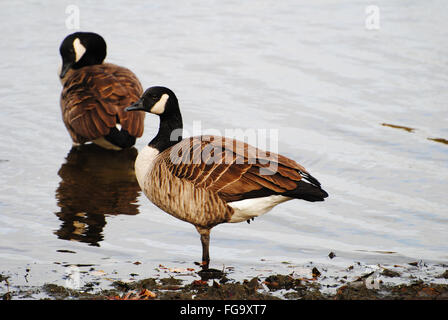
[79, 49]
[159, 107]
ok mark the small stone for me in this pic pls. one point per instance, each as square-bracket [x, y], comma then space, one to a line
[315, 272]
[390, 273]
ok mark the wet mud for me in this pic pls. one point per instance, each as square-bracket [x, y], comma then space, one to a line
[374, 285]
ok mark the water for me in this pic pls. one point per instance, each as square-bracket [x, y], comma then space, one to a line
[312, 71]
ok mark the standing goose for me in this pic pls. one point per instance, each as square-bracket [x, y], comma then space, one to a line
[208, 180]
[95, 94]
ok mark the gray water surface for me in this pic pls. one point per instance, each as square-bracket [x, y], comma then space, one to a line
[310, 70]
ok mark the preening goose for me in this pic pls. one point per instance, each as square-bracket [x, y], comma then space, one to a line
[208, 180]
[95, 94]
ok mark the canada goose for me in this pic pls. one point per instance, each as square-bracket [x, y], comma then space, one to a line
[95, 94]
[208, 180]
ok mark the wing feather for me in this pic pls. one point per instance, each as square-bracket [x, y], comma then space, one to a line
[233, 169]
[94, 98]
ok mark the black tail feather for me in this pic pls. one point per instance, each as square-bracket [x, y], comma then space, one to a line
[310, 178]
[120, 138]
[308, 192]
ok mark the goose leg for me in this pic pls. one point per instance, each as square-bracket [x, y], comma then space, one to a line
[205, 240]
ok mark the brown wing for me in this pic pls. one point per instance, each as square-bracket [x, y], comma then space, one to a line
[93, 101]
[234, 169]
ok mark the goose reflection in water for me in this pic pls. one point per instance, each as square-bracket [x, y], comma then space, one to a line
[95, 183]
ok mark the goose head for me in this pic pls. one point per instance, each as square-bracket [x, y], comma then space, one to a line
[158, 100]
[81, 49]
[162, 102]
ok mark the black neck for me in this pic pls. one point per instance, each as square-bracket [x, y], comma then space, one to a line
[170, 129]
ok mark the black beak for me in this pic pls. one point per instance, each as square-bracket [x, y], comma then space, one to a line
[64, 69]
[137, 106]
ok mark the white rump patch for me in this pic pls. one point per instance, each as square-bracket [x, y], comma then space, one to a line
[250, 208]
[79, 49]
[159, 107]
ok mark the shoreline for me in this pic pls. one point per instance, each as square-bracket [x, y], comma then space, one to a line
[382, 283]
